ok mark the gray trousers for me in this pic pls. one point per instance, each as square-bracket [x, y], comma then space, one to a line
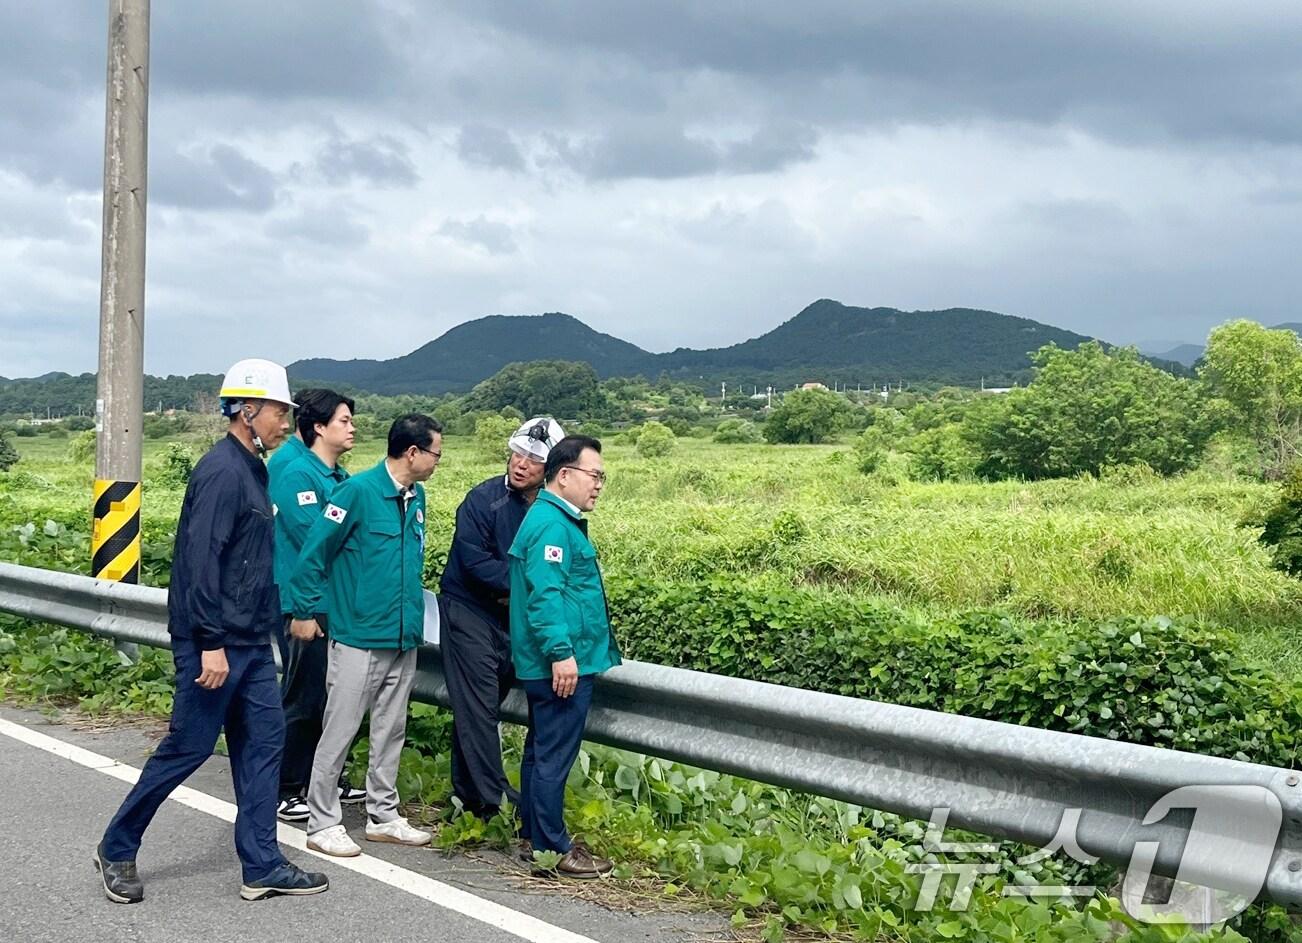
[358, 680]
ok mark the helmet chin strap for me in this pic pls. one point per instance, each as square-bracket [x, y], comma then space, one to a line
[248, 421]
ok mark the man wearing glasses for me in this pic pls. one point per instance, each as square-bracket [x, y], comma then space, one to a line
[365, 555]
[476, 638]
[560, 640]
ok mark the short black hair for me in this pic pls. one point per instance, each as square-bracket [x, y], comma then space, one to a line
[567, 452]
[313, 406]
[412, 429]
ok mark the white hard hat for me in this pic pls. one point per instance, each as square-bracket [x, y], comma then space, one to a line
[535, 438]
[257, 379]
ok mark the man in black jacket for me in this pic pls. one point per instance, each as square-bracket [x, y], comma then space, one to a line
[223, 613]
[476, 637]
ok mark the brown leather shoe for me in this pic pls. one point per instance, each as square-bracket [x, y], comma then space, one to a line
[580, 863]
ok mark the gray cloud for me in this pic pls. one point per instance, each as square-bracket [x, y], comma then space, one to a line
[333, 226]
[487, 146]
[219, 178]
[492, 237]
[383, 160]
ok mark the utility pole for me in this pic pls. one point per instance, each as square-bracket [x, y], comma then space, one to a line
[119, 408]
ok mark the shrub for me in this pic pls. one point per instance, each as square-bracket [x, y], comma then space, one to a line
[491, 433]
[26, 431]
[82, 447]
[8, 454]
[737, 432]
[1282, 530]
[57, 432]
[1142, 680]
[655, 440]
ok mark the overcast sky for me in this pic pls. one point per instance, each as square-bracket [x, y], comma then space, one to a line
[351, 179]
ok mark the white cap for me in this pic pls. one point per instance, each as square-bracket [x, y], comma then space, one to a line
[257, 379]
[535, 438]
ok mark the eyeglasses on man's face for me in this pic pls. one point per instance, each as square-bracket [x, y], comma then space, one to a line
[437, 455]
[598, 476]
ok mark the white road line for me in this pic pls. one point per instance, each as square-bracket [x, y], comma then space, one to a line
[418, 885]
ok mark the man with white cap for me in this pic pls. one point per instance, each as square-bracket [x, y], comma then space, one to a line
[476, 635]
[223, 613]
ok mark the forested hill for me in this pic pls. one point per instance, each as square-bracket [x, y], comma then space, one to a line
[476, 350]
[830, 341]
[827, 341]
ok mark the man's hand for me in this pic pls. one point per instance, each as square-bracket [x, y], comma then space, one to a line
[215, 669]
[305, 630]
[565, 677]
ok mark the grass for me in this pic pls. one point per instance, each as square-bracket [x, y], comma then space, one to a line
[804, 515]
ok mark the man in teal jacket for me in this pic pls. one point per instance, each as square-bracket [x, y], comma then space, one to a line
[365, 556]
[560, 640]
[300, 490]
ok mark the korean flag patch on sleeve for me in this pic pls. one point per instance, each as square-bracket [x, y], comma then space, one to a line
[306, 497]
[335, 513]
[553, 554]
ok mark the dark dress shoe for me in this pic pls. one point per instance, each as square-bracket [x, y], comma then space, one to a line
[581, 863]
[122, 884]
[287, 879]
[525, 851]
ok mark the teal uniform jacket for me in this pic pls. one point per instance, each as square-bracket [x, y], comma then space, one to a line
[293, 448]
[365, 556]
[558, 602]
[300, 490]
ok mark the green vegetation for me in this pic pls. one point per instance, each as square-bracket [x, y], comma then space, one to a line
[1123, 571]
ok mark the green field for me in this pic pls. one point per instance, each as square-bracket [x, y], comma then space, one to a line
[1066, 549]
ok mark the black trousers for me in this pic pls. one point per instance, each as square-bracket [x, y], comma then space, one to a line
[477, 664]
[303, 694]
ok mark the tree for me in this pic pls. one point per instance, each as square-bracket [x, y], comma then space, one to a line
[8, 454]
[807, 416]
[555, 388]
[1087, 408]
[656, 440]
[1258, 372]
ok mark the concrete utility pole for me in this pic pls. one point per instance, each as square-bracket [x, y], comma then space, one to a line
[119, 408]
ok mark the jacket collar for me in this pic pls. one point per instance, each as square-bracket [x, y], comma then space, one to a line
[552, 498]
[388, 485]
[256, 465]
[322, 467]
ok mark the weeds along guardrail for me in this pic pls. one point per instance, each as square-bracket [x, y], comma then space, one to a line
[1006, 781]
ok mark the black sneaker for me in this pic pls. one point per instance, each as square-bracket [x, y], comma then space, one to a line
[350, 796]
[293, 809]
[122, 884]
[288, 879]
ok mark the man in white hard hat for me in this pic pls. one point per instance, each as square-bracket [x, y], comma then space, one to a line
[223, 613]
[475, 638]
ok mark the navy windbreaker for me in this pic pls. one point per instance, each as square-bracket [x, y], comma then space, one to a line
[477, 573]
[223, 592]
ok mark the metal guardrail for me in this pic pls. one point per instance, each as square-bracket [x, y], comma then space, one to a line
[997, 779]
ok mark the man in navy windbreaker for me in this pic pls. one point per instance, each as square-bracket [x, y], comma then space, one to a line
[223, 613]
[476, 638]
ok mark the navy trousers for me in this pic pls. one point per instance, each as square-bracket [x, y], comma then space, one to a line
[479, 673]
[248, 707]
[550, 749]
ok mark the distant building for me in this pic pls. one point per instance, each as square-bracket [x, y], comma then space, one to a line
[813, 386]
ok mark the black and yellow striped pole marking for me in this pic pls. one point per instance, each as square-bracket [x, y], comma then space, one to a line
[115, 539]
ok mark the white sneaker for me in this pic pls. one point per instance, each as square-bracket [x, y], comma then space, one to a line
[334, 841]
[399, 832]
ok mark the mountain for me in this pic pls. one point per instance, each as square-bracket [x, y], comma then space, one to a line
[827, 341]
[1186, 354]
[474, 351]
[831, 341]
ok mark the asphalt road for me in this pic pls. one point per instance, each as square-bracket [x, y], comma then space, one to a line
[50, 893]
